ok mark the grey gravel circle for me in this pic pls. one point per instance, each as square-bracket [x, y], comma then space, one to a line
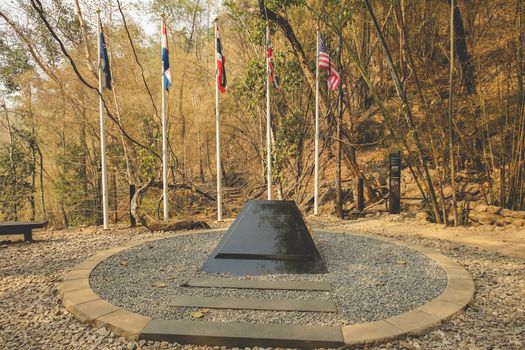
[371, 280]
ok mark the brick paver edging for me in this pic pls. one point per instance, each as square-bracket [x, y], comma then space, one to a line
[87, 306]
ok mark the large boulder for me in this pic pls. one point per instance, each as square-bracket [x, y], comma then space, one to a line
[481, 208]
[518, 222]
[484, 218]
[518, 214]
[494, 209]
[423, 217]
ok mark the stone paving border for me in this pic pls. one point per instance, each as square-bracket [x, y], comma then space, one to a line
[258, 284]
[309, 305]
[87, 306]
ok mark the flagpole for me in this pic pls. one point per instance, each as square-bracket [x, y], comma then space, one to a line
[164, 138]
[316, 156]
[268, 119]
[218, 132]
[105, 203]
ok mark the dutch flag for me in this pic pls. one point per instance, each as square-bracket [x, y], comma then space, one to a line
[165, 58]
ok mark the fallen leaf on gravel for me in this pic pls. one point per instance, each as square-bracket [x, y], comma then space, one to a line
[124, 263]
[204, 310]
[159, 284]
[196, 314]
[402, 262]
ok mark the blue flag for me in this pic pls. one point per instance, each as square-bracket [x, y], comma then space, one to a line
[104, 59]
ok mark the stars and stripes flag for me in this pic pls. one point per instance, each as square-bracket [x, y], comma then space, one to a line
[165, 58]
[273, 78]
[104, 58]
[221, 64]
[326, 63]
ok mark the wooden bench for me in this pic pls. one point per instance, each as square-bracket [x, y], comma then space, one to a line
[25, 228]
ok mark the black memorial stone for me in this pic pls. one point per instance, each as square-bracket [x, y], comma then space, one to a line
[268, 237]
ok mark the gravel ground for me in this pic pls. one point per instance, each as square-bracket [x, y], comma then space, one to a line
[31, 316]
[371, 280]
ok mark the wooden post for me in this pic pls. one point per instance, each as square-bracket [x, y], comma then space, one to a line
[132, 190]
[360, 194]
[115, 199]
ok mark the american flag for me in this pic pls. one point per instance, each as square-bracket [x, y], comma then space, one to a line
[326, 63]
[221, 65]
[273, 78]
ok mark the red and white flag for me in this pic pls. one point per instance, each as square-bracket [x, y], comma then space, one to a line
[326, 63]
[273, 78]
[221, 65]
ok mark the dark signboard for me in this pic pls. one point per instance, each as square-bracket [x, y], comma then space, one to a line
[394, 197]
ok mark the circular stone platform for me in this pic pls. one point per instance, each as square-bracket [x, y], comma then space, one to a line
[381, 289]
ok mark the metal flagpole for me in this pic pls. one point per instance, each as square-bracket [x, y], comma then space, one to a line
[105, 203]
[268, 119]
[218, 132]
[164, 136]
[316, 156]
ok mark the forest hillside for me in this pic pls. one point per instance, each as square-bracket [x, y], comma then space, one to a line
[452, 102]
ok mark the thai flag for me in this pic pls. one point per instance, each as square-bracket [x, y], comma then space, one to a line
[221, 65]
[165, 58]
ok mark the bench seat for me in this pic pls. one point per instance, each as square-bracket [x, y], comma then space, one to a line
[25, 228]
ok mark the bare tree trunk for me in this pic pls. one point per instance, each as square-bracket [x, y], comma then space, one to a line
[201, 166]
[83, 31]
[465, 60]
[42, 196]
[451, 117]
[182, 117]
[32, 144]
[154, 225]
[130, 168]
[11, 156]
[429, 115]
[339, 121]
[407, 113]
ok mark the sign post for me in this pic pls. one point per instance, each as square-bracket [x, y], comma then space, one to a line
[394, 197]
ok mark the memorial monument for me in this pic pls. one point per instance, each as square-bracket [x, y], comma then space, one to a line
[268, 237]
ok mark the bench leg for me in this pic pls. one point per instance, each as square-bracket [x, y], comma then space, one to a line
[28, 235]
